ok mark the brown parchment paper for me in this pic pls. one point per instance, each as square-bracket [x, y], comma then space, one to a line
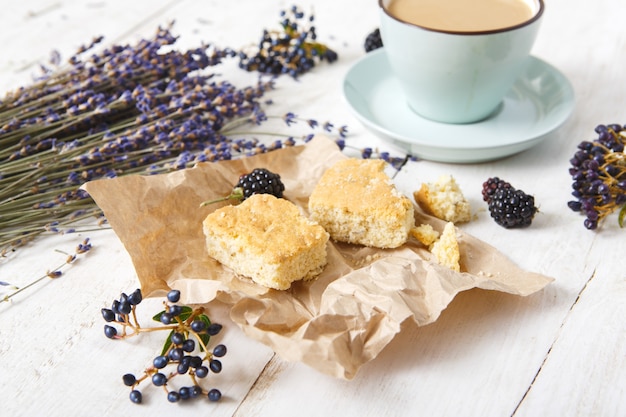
[335, 323]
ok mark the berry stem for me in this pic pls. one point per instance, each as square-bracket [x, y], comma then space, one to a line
[236, 194]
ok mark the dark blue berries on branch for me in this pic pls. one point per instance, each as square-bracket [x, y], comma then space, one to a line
[598, 169]
[294, 50]
[373, 41]
[185, 351]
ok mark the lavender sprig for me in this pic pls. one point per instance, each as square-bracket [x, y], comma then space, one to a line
[82, 248]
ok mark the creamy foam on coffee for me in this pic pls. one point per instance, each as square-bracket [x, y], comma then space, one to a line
[462, 15]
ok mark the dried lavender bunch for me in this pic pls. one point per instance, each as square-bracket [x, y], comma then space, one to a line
[127, 109]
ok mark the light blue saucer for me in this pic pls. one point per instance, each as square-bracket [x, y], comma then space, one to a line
[539, 102]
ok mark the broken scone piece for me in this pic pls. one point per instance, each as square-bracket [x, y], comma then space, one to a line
[444, 200]
[267, 239]
[356, 202]
[446, 248]
[425, 234]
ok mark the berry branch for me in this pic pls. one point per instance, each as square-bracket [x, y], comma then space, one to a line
[598, 169]
[186, 348]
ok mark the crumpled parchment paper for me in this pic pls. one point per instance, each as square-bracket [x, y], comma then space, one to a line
[335, 323]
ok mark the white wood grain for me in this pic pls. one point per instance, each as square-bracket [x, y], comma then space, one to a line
[558, 352]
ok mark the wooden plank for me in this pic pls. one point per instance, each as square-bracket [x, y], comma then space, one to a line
[585, 371]
[558, 352]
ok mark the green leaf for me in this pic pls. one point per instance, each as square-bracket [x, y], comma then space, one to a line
[621, 216]
[157, 316]
[185, 313]
[168, 343]
[205, 337]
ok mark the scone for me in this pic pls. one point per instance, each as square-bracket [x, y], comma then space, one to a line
[267, 239]
[356, 202]
[446, 248]
[444, 199]
[425, 234]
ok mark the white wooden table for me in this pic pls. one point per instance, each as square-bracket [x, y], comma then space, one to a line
[559, 352]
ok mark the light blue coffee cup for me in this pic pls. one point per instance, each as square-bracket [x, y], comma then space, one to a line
[457, 77]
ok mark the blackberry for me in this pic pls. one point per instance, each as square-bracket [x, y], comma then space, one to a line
[373, 41]
[491, 185]
[511, 208]
[259, 181]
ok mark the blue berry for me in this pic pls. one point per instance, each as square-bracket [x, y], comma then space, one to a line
[135, 396]
[160, 362]
[135, 297]
[195, 362]
[182, 368]
[177, 338]
[202, 372]
[189, 345]
[129, 380]
[173, 396]
[108, 314]
[216, 366]
[176, 354]
[166, 318]
[195, 391]
[214, 329]
[219, 351]
[173, 296]
[184, 392]
[124, 307]
[110, 331]
[214, 395]
[198, 326]
[159, 379]
[175, 310]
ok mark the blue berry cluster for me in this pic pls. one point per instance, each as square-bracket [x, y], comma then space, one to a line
[598, 169]
[185, 351]
[293, 51]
